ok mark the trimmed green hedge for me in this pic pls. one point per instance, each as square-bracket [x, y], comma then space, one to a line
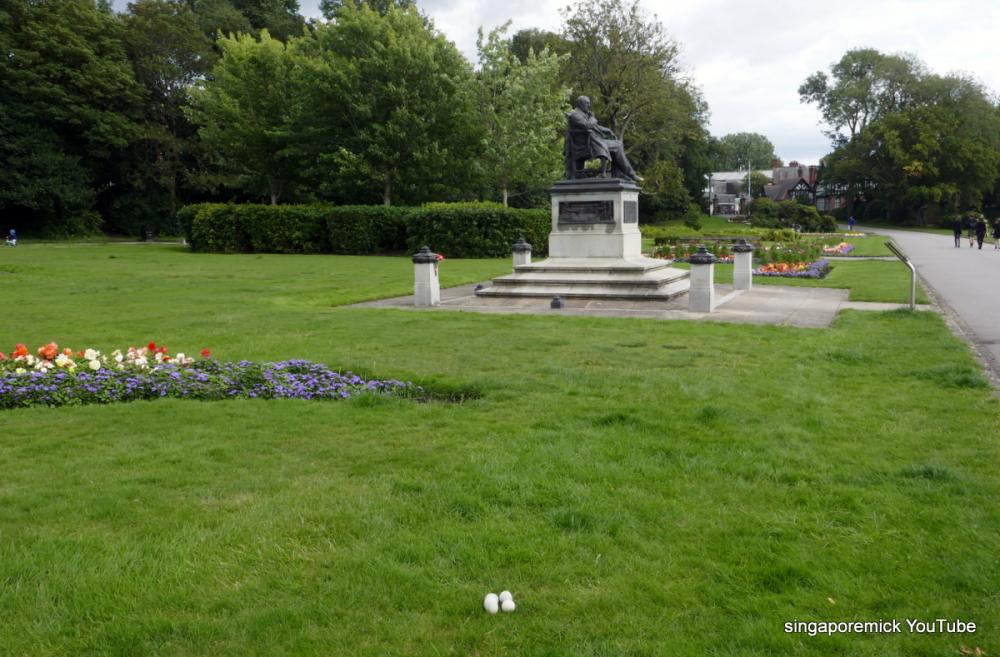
[457, 230]
[366, 229]
[477, 230]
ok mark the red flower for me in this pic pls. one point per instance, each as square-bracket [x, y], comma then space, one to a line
[206, 353]
[49, 351]
[162, 350]
[20, 351]
[151, 346]
[2, 356]
[79, 354]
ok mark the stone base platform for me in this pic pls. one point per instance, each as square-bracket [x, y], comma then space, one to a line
[807, 307]
[593, 278]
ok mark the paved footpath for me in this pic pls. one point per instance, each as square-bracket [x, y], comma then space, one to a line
[965, 279]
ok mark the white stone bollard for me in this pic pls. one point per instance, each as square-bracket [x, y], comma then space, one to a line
[426, 286]
[701, 296]
[522, 253]
[743, 266]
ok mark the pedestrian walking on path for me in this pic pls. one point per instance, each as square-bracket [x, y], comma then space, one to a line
[980, 232]
[850, 223]
[956, 227]
[970, 223]
[996, 233]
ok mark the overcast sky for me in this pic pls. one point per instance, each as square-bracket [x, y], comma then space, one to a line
[749, 58]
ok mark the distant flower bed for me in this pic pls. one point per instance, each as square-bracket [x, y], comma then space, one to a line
[58, 378]
[818, 269]
[841, 249]
[722, 260]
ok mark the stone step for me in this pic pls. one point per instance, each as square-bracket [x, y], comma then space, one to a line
[648, 279]
[596, 265]
[588, 291]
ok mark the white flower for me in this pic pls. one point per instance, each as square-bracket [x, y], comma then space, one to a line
[20, 370]
[118, 356]
[159, 357]
[91, 354]
[95, 364]
[62, 360]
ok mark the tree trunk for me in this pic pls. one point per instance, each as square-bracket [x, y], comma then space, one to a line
[505, 195]
[387, 192]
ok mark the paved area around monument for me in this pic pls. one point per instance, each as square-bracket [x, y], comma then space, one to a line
[764, 304]
[965, 281]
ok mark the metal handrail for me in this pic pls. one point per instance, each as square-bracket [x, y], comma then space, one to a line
[913, 272]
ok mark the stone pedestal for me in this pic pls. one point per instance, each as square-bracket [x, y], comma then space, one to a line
[426, 286]
[595, 218]
[701, 298]
[742, 266]
[522, 253]
[595, 249]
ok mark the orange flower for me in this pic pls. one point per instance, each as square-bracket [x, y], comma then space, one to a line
[2, 356]
[49, 351]
[20, 351]
[68, 352]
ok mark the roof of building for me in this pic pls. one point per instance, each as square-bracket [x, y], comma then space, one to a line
[736, 175]
[779, 191]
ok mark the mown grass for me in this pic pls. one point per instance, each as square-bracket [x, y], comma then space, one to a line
[867, 280]
[643, 487]
[869, 245]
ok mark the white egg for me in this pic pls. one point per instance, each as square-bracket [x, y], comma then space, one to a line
[491, 603]
[504, 596]
[508, 605]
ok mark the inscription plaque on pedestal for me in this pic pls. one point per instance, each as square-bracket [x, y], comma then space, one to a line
[631, 212]
[586, 212]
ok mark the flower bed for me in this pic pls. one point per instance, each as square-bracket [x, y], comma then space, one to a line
[818, 269]
[841, 249]
[57, 378]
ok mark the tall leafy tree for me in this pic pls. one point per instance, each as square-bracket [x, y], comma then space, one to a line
[625, 62]
[862, 86]
[219, 18]
[391, 108]
[69, 104]
[526, 41]
[247, 112]
[619, 57]
[523, 108]
[280, 18]
[742, 150]
[330, 8]
[169, 53]
[933, 147]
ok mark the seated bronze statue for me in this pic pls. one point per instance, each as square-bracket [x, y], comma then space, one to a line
[586, 140]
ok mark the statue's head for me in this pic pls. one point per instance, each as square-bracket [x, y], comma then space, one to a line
[583, 103]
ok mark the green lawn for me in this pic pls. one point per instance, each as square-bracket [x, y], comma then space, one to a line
[918, 229]
[643, 487]
[868, 280]
[869, 245]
